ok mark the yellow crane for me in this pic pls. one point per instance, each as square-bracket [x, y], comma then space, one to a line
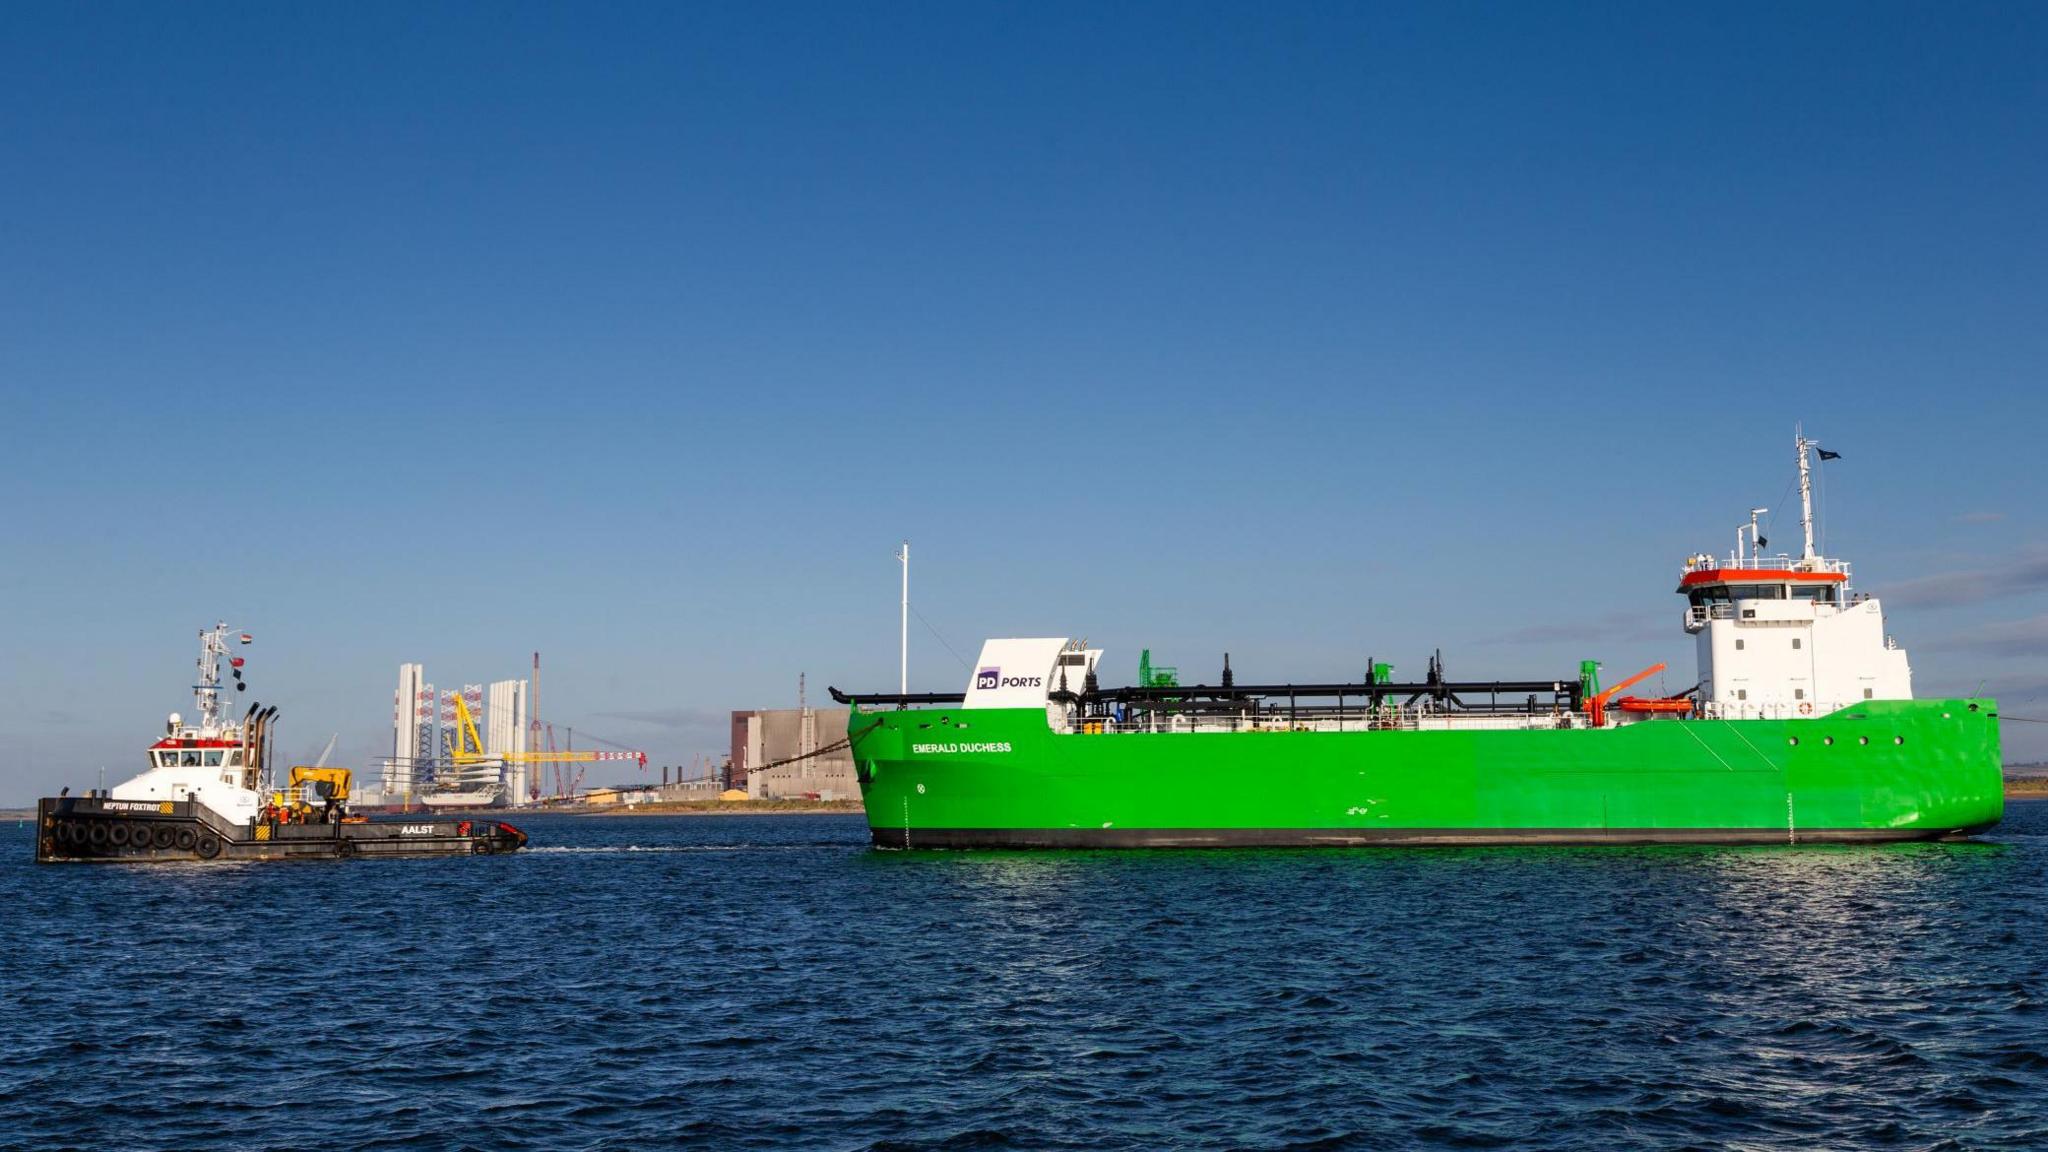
[469, 748]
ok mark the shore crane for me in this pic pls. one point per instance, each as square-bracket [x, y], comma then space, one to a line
[469, 749]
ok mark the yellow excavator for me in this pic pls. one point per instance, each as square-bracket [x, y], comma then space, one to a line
[291, 806]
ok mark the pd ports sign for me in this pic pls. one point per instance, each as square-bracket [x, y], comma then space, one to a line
[1014, 673]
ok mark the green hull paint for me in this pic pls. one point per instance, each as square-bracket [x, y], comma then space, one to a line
[1003, 778]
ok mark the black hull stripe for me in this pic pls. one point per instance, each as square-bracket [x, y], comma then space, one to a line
[82, 830]
[1387, 837]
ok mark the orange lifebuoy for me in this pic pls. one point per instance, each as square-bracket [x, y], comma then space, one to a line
[1806, 708]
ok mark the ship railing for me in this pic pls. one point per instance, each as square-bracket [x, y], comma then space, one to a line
[1782, 562]
[1697, 615]
[1771, 710]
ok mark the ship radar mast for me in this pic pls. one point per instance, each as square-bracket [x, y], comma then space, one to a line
[213, 645]
[1805, 491]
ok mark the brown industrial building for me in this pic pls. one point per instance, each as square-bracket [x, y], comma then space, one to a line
[774, 735]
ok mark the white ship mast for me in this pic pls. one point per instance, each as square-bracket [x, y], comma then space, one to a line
[1805, 491]
[206, 694]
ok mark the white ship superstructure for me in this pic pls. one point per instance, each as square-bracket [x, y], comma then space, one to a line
[1784, 637]
[211, 761]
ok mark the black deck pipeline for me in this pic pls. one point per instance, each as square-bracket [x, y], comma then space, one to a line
[1183, 695]
[900, 699]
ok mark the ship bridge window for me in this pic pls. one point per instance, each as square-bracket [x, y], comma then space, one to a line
[1723, 593]
[1818, 593]
[213, 759]
[1756, 591]
[189, 758]
[167, 759]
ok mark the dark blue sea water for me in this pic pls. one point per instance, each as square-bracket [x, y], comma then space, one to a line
[770, 982]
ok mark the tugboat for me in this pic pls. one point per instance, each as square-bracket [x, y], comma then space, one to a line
[206, 795]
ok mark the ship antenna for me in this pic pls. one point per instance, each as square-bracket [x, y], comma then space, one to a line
[903, 660]
[1805, 491]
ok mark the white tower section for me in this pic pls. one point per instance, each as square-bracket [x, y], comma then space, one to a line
[505, 733]
[405, 730]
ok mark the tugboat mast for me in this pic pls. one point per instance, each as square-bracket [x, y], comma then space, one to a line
[206, 694]
[213, 646]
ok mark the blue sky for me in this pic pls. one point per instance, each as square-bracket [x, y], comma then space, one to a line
[640, 335]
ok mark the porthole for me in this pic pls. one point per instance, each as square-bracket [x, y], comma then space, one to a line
[1898, 739]
[1793, 741]
[1828, 740]
[1863, 739]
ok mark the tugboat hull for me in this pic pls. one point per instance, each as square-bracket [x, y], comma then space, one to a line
[97, 830]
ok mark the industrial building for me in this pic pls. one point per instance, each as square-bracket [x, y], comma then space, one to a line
[772, 736]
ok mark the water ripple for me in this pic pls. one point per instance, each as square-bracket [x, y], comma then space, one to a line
[771, 983]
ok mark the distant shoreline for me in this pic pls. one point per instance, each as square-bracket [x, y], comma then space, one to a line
[730, 808]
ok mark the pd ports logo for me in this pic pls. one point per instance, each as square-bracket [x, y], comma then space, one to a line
[988, 679]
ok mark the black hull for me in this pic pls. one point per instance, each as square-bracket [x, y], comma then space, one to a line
[99, 831]
[1071, 838]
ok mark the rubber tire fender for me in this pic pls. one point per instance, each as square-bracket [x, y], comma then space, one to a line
[208, 847]
[163, 836]
[186, 838]
[344, 848]
[96, 833]
[71, 832]
[482, 848]
[117, 835]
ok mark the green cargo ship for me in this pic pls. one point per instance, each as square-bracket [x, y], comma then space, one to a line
[1802, 729]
